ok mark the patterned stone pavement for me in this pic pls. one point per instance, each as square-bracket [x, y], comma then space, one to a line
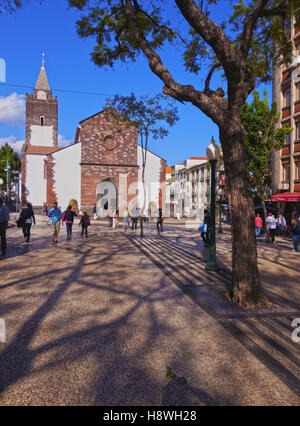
[96, 321]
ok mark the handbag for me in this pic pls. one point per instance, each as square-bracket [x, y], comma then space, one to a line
[203, 228]
[19, 222]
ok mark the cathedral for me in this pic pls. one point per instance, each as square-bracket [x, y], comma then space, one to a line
[102, 167]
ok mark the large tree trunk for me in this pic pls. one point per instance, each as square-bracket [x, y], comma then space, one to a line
[247, 291]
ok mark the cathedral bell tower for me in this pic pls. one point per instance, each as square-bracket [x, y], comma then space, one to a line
[40, 140]
[41, 114]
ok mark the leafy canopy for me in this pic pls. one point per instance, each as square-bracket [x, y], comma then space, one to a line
[265, 40]
[147, 113]
[262, 137]
[8, 154]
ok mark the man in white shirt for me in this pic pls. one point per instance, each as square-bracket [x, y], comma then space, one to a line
[272, 222]
[4, 218]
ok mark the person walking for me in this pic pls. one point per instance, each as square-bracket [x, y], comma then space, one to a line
[95, 212]
[116, 218]
[134, 218]
[4, 219]
[272, 222]
[159, 223]
[126, 219]
[110, 218]
[281, 224]
[68, 219]
[84, 222]
[27, 218]
[45, 209]
[258, 226]
[55, 215]
[206, 221]
[295, 229]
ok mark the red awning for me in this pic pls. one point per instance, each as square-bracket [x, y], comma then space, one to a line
[293, 197]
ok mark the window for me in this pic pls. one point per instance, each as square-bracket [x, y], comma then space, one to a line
[297, 170]
[42, 120]
[287, 98]
[286, 172]
[288, 139]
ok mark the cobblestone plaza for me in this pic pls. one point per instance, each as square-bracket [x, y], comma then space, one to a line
[96, 321]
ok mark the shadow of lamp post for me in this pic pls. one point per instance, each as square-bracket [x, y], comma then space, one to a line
[213, 153]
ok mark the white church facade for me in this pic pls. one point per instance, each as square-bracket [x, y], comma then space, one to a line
[105, 154]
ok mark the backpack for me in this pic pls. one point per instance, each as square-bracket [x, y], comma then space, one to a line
[203, 228]
[87, 221]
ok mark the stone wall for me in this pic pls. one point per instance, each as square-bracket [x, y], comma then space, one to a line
[108, 150]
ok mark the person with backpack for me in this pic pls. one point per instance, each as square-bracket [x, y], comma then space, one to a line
[68, 219]
[27, 218]
[55, 215]
[205, 234]
[84, 222]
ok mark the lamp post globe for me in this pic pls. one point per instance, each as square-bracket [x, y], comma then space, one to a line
[213, 153]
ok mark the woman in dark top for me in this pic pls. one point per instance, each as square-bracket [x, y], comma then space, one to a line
[68, 219]
[27, 217]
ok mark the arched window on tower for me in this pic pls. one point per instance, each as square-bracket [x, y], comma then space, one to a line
[42, 120]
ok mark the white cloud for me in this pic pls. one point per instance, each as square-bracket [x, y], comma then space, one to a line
[12, 109]
[13, 142]
[62, 141]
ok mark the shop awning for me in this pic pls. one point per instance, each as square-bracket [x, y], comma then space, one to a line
[291, 197]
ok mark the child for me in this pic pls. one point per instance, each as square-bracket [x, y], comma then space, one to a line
[84, 222]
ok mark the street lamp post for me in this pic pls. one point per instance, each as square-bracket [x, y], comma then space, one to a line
[213, 154]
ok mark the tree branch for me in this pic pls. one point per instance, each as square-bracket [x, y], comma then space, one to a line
[213, 35]
[208, 78]
[174, 33]
[249, 24]
[214, 107]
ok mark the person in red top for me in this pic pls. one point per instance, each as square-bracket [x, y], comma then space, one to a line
[258, 225]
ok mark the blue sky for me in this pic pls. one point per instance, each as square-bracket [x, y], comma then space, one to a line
[50, 28]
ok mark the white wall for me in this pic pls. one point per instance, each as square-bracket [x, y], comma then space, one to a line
[67, 175]
[35, 179]
[152, 177]
[41, 135]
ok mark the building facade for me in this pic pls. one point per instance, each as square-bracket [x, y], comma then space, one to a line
[103, 166]
[286, 93]
[190, 193]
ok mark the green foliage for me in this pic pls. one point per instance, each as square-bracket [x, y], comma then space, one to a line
[147, 112]
[106, 21]
[114, 37]
[7, 153]
[259, 121]
[10, 6]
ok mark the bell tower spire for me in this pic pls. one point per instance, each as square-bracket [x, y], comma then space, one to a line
[42, 84]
